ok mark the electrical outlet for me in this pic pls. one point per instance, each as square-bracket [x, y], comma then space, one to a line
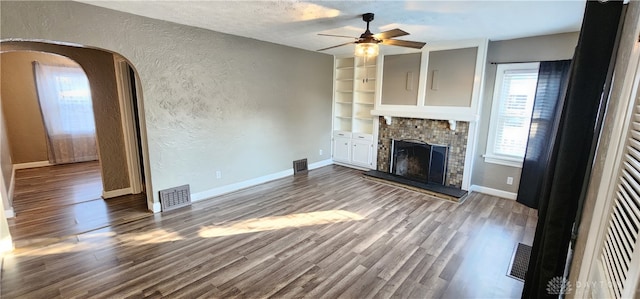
[509, 180]
[320, 152]
[218, 174]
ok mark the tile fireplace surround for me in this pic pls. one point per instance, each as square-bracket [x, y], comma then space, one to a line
[430, 131]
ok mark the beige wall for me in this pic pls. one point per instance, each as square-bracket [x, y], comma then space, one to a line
[539, 48]
[99, 68]
[455, 74]
[394, 79]
[25, 129]
[212, 101]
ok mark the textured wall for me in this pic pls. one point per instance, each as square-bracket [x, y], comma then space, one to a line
[430, 131]
[211, 101]
[99, 68]
[25, 129]
[539, 48]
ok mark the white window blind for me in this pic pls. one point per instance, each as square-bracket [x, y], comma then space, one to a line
[513, 99]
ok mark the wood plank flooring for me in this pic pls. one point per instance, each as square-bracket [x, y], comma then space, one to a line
[330, 233]
[66, 184]
[57, 201]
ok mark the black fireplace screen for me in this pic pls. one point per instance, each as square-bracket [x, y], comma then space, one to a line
[419, 161]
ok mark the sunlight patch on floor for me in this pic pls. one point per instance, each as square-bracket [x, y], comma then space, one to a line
[152, 237]
[95, 241]
[279, 222]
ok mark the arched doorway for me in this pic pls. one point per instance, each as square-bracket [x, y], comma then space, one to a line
[119, 121]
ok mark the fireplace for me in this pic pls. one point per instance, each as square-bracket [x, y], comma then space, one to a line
[419, 161]
[412, 154]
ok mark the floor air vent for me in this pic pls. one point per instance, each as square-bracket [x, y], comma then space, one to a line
[300, 166]
[174, 198]
[520, 262]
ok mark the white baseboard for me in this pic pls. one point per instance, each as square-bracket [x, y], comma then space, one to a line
[351, 166]
[493, 192]
[12, 185]
[31, 165]
[156, 207]
[116, 193]
[9, 213]
[252, 182]
[319, 164]
[240, 185]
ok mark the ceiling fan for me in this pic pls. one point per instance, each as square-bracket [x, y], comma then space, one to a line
[367, 43]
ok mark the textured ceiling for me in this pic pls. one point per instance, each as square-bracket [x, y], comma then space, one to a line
[297, 23]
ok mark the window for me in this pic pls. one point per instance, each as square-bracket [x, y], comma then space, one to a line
[65, 99]
[513, 97]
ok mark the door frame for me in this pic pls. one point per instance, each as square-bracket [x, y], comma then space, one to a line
[123, 81]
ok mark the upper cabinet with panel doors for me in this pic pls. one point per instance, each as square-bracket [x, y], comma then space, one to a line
[443, 81]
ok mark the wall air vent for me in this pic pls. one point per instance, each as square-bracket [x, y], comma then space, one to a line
[300, 166]
[175, 198]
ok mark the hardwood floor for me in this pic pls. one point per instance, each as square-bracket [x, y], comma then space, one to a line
[329, 233]
[57, 201]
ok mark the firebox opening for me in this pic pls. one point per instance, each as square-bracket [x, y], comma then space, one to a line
[419, 161]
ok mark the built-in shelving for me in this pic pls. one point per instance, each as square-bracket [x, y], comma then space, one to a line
[354, 98]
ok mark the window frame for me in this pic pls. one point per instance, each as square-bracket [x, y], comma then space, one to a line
[490, 155]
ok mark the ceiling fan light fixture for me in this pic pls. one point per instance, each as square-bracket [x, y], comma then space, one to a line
[367, 50]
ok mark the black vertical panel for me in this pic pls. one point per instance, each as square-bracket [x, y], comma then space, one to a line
[552, 80]
[572, 146]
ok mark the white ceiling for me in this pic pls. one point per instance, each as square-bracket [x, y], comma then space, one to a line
[297, 23]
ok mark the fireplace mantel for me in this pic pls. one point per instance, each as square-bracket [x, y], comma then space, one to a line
[452, 114]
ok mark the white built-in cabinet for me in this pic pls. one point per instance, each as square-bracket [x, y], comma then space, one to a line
[353, 125]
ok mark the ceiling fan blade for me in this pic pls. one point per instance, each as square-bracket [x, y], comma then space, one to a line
[403, 43]
[337, 35]
[390, 33]
[337, 46]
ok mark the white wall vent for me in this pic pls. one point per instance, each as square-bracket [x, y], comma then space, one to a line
[174, 198]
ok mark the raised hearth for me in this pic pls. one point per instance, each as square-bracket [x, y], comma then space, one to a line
[436, 190]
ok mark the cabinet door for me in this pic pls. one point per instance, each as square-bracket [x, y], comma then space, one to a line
[362, 153]
[342, 149]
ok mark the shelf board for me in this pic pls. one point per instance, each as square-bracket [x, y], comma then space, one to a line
[345, 91]
[367, 66]
[366, 118]
[343, 117]
[364, 103]
[344, 68]
[351, 79]
[366, 91]
[347, 103]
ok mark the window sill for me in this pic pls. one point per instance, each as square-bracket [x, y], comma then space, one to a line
[501, 160]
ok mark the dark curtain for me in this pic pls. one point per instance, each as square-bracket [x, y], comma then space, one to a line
[552, 81]
[571, 152]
